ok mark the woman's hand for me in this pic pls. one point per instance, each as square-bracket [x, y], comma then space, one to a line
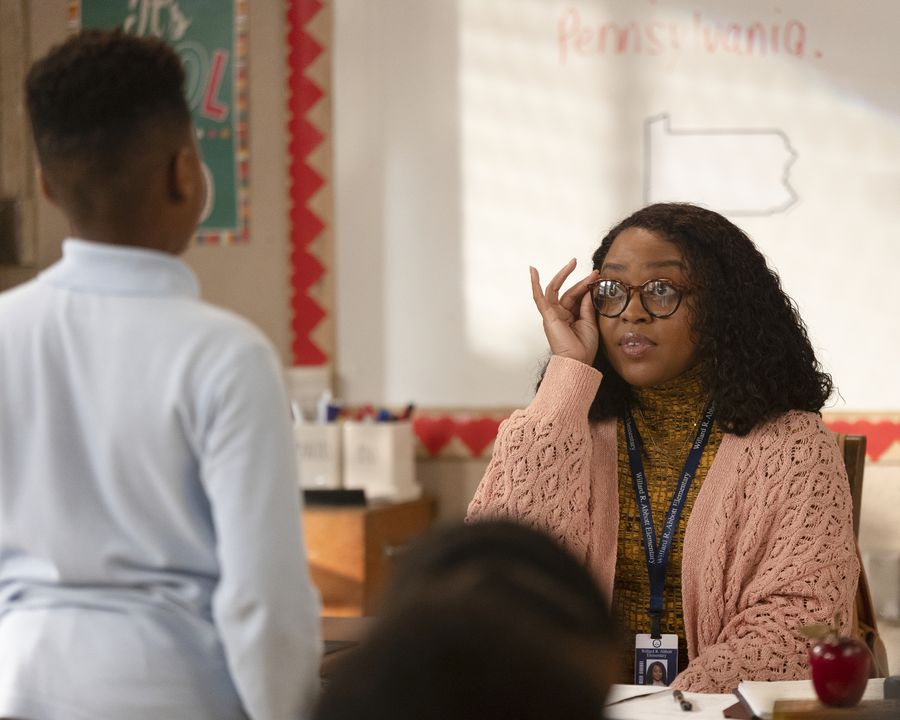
[569, 321]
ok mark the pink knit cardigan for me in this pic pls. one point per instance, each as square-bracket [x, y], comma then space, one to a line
[768, 546]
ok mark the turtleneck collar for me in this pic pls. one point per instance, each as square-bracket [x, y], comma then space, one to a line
[122, 270]
[682, 396]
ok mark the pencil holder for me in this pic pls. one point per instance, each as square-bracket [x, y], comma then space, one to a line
[318, 455]
[378, 458]
[305, 385]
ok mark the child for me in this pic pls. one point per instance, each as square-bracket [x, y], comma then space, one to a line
[151, 558]
[492, 620]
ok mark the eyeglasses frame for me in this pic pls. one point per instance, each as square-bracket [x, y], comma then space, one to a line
[682, 291]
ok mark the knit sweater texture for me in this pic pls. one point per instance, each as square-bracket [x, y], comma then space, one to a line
[768, 546]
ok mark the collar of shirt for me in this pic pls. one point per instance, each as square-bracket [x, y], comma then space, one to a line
[120, 270]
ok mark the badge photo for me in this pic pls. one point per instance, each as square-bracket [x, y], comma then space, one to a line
[655, 659]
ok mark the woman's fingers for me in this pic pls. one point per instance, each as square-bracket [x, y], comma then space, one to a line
[586, 329]
[586, 310]
[569, 323]
[572, 298]
[536, 291]
[552, 291]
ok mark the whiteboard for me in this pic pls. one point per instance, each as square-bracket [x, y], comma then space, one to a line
[475, 138]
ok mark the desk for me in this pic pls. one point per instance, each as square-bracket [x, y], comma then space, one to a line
[763, 695]
[345, 629]
[351, 549]
[662, 704]
[340, 635]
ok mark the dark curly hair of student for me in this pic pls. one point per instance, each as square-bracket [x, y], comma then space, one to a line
[485, 620]
[92, 98]
[499, 557]
[750, 336]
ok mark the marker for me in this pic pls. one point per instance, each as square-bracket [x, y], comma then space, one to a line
[366, 413]
[332, 412]
[679, 698]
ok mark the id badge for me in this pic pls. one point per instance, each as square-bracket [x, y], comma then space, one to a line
[655, 660]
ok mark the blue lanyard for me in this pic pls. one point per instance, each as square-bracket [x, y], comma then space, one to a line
[657, 556]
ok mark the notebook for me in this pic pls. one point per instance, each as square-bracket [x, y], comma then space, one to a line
[759, 697]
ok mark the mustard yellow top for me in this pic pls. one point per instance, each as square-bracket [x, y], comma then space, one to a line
[666, 417]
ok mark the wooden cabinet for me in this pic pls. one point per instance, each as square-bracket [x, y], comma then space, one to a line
[351, 549]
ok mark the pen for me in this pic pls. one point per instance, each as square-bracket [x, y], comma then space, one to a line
[679, 698]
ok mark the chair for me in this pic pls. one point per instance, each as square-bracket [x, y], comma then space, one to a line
[853, 449]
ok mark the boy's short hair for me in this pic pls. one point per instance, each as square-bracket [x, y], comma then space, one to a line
[92, 100]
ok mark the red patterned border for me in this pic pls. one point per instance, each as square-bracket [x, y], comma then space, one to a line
[880, 434]
[306, 225]
[471, 435]
[460, 435]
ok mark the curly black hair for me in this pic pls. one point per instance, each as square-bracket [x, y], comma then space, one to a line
[91, 98]
[755, 347]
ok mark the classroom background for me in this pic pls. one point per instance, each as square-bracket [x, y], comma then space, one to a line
[392, 167]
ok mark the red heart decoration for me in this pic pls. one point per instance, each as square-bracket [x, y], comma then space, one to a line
[879, 435]
[477, 434]
[434, 433]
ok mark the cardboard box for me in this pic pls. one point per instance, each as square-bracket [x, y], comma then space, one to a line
[379, 459]
[318, 455]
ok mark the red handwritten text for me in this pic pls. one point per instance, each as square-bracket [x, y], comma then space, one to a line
[578, 38]
[212, 108]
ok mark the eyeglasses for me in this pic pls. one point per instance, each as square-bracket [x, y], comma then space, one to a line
[660, 297]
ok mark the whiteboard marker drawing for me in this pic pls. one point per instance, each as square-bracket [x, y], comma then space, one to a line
[734, 171]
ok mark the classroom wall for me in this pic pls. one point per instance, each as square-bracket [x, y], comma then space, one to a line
[474, 139]
[406, 72]
[251, 279]
[421, 86]
[37, 32]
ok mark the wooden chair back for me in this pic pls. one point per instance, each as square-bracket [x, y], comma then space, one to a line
[853, 448]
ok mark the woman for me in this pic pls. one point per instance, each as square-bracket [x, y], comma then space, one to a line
[707, 367]
[656, 674]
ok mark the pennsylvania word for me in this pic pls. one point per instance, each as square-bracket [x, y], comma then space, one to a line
[578, 38]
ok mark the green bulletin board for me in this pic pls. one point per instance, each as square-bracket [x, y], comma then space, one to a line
[211, 38]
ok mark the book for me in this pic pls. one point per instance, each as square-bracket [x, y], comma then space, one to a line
[759, 697]
[814, 710]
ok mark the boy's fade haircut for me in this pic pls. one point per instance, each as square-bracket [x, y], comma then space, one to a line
[92, 99]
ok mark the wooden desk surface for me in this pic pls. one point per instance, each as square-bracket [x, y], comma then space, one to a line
[340, 636]
[345, 629]
[352, 549]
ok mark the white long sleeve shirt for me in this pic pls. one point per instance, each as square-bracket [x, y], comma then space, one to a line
[151, 556]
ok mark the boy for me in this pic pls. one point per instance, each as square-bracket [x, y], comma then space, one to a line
[151, 559]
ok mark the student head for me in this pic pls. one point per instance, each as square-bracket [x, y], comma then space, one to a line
[656, 673]
[733, 319]
[505, 557]
[482, 621]
[114, 139]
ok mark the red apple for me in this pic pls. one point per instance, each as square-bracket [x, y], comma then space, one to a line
[840, 669]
